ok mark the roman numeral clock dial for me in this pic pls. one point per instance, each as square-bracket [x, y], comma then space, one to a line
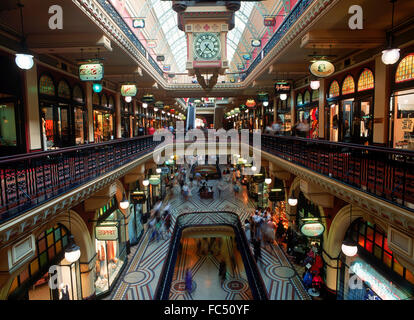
[207, 46]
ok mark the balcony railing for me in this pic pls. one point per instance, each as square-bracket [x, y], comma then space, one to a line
[287, 23]
[193, 219]
[29, 180]
[382, 172]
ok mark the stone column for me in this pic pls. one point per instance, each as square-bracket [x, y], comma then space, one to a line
[89, 106]
[118, 133]
[381, 98]
[322, 103]
[35, 131]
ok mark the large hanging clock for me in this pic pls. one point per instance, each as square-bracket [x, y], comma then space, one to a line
[207, 46]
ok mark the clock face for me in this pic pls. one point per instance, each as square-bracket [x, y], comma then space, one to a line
[207, 46]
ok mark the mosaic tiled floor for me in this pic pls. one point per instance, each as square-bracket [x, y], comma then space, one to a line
[140, 278]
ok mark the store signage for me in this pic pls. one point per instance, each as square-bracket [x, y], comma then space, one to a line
[155, 180]
[282, 88]
[256, 43]
[258, 178]
[167, 67]
[151, 44]
[129, 90]
[247, 56]
[106, 232]
[148, 98]
[269, 21]
[138, 23]
[165, 170]
[91, 71]
[322, 68]
[250, 103]
[312, 229]
[276, 195]
[138, 197]
[160, 58]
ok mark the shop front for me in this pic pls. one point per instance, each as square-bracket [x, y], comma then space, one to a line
[103, 117]
[12, 134]
[284, 116]
[373, 273]
[110, 246]
[32, 283]
[63, 112]
[350, 110]
[402, 104]
[307, 114]
[136, 210]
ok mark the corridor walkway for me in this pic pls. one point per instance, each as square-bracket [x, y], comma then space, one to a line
[140, 278]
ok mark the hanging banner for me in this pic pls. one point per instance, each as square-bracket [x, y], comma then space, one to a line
[322, 68]
[151, 44]
[129, 90]
[138, 23]
[155, 180]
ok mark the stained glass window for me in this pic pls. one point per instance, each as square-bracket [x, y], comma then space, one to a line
[348, 86]
[366, 80]
[334, 89]
[299, 100]
[46, 86]
[45, 255]
[63, 90]
[315, 95]
[307, 97]
[78, 94]
[405, 70]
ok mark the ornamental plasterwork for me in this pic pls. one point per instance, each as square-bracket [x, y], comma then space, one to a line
[92, 9]
[41, 215]
[380, 209]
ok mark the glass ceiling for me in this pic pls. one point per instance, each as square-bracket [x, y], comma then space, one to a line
[176, 39]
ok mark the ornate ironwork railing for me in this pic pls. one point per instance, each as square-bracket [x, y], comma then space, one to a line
[287, 23]
[382, 172]
[29, 180]
[194, 219]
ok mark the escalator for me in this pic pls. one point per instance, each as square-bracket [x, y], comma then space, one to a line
[189, 223]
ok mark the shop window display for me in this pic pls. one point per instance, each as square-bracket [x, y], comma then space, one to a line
[403, 119]
[110, 252]
[8, 131]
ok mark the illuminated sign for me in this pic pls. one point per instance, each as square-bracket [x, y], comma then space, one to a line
[160, 58]
[151, 44]
[322, 68]
[167, 67]
[380, 285]
[247, 56]
[138, 23]
[155, 180]
[91, 71]
[269, 21]
[256, 43]
[129, 90]
[282, 88]
[108, 232]
[312, 229]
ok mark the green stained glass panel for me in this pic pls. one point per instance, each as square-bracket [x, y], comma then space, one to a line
[43, 259]
[57, 234]
[63, 90]
[46, 86]
[65, 241]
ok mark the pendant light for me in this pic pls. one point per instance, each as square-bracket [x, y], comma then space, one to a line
[283, 96]
[145, 183]
[391, 55]
[124, 204]
[315, 84]
[128, 99]
[265, 103]
[349, 246]
[23, 60]
[268, 181]
[72, 251]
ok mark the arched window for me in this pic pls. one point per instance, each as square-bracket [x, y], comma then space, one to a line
[307, 97]
[95, 99]
[46, 86]
[315, 95]
[299, 99]
[50, 246]
[366, 80]
[405, 70]
[104, 100]
[78, 94]
[348, 86]
[64, 90]
[334, 89]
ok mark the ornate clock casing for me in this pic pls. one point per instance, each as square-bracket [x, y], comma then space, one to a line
[207, 46]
